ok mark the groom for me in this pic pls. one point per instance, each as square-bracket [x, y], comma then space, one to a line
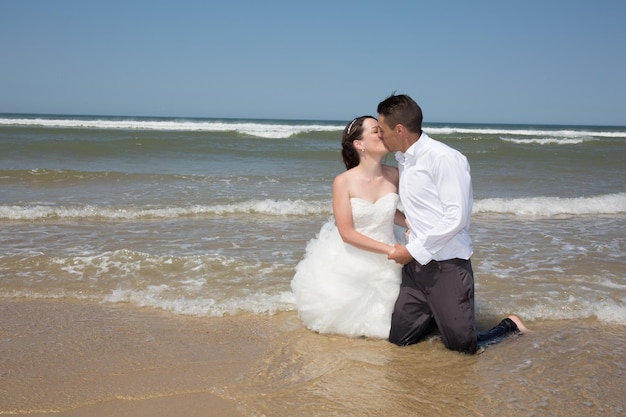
[435, 188]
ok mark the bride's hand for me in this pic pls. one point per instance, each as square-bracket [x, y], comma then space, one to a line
[400, 254]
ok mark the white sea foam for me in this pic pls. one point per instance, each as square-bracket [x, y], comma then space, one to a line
[212, 285]
[264, 130]
[278, 129]
[548, 141]
[553, 206]
[159, 296]
[606, 311]
[546, 133]
[258, 303]
[263, 207]
[530, 206]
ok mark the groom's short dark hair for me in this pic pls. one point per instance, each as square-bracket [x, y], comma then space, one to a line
[401, 109]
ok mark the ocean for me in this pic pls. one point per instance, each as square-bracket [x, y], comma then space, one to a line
[209, 217]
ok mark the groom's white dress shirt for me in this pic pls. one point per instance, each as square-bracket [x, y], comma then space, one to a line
[436, 194]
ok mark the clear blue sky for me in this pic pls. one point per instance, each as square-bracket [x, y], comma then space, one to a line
[546, 61]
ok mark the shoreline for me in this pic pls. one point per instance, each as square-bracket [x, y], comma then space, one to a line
[73, 359]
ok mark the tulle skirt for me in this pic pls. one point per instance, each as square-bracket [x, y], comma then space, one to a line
[345, 290]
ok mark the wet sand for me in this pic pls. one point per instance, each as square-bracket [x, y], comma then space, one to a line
[62, 358]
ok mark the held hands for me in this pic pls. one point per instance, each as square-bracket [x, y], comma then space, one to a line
[400, 255]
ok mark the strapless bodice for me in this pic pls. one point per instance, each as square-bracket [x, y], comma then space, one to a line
[375, 220]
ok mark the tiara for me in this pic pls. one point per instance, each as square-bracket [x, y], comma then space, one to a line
[350, 126]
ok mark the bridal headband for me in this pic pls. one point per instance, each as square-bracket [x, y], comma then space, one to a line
[350, 126]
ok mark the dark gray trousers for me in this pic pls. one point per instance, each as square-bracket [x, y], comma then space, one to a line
[439, 295]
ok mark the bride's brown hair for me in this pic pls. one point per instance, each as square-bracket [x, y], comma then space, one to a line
[352, 132]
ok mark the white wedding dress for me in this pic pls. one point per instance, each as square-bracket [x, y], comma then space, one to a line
[345, 290]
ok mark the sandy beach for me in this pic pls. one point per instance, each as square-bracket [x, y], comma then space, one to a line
[87, 360]
[73, 359]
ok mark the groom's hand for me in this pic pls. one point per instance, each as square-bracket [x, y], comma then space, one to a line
[400, 255]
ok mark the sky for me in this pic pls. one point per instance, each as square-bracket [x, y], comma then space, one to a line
[531, 62]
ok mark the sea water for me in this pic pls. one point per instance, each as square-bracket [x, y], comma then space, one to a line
[208, 217]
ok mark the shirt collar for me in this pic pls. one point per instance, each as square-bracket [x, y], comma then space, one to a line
[413, 150]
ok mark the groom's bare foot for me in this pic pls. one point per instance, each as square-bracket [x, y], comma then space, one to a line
[518, 322]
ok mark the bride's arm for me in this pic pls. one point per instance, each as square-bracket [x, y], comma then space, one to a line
[400, 219]
[342, 211]
[393, 176]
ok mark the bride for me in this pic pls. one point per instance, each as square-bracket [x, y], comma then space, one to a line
[345, 284]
